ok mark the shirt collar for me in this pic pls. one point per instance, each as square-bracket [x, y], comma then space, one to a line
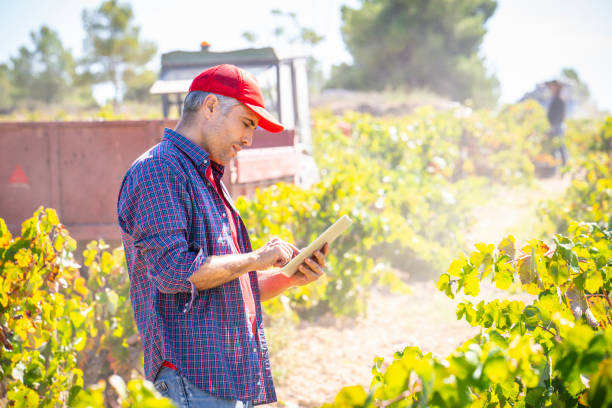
[198, 155]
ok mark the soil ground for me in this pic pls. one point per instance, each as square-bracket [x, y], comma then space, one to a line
[316, 359]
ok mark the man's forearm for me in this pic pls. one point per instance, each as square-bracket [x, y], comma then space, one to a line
[219, 269]
[272, 283]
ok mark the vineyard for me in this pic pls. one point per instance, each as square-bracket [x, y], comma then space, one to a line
[409, 183]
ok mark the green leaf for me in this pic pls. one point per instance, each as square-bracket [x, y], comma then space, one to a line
[77, 318]
[24, 398]
[531, 317]
[396, 378]
[455, 268]
[506, 247]
[535, 396]
[567, 366]
[496, 369]
[444, 285]
[600, 385]
[33, 374]
[471, 284]
[526, 270]
[594, 281]
[503, 276]
[113, 301]
[353, 396]
[52, 216]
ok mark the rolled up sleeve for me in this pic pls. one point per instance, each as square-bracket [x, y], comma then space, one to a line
[154, 209]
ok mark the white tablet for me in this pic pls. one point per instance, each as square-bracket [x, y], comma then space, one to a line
[329, 235]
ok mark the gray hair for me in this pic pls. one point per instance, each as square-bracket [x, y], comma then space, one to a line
[195, 99]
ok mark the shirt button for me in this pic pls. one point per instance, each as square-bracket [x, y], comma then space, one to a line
[224, 215]
[254, 350]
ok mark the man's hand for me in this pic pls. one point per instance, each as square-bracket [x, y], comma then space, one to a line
[311, 269]
[275, 252]
[273, 283]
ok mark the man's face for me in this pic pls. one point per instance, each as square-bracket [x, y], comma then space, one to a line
[231, 133]
[555, 88]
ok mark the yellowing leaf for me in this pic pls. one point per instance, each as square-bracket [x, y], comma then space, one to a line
[503, 276]
[455, 268]
[496, 369]
[353, 396]
[80, 287]
[23, 258]
[471, 284]
[594, 281]
[506, 246]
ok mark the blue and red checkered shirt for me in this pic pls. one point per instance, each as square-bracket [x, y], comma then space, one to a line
[171, 219]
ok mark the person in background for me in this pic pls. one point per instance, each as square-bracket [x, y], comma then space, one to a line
[556, 116]
[195, 282]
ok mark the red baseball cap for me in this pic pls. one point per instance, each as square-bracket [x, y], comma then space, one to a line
[231, 81]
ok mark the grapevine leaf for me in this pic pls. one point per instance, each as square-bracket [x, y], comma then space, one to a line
[506, 246]
[496, 369]
[526, 272]
[444, 285]
[531, 317]
[594, 281]
[579, 305]
[455, 268]
[600, 385]
[353, 396]
[503, 276]
[471, 284]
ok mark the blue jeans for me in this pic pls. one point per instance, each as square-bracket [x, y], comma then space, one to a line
[173, 385]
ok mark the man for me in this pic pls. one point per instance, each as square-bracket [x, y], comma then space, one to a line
[556, 115]
[194, 286]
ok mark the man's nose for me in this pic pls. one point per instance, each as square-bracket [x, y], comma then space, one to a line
[247, 140]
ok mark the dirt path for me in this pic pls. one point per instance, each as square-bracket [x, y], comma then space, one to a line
[319, 358]
[512, 211]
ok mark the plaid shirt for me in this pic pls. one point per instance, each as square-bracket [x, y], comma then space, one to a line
[171, 219]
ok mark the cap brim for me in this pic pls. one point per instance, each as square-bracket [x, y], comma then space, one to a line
[266, 120]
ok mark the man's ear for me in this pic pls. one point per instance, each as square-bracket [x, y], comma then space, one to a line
[211, 103]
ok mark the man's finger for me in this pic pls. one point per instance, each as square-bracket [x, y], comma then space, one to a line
[284, 258]
[325, 249]
[292, 250]
[308, 273]
[320, 258]
[288, 250]
[314, 267]
[295, 249]
[302, 279]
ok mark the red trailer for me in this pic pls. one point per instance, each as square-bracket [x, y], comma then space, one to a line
[77, 167]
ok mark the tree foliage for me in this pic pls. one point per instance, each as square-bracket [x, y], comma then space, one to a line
[581, 87]
[418, 44]
[6, 89]
[43, 72]
[113, 45]
[289, 31]
[138, 85]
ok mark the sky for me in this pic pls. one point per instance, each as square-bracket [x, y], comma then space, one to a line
[527, 41]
